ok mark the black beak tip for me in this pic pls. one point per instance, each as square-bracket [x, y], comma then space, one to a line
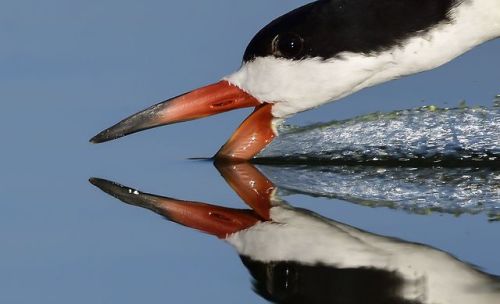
[94, 180]
[103, 184]
[127, 195]
[110, 187]
[96, 139]
[103, 136]
[121, 192]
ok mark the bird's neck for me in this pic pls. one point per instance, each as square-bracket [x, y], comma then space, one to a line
[472, 23]
[479, 20]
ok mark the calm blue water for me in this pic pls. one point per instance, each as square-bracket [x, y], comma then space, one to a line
[70, 69]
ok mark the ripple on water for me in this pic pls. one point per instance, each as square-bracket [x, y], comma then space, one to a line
[425, 135]
[416, 190]
[421, 160]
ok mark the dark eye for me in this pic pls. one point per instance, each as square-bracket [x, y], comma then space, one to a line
[288, 45]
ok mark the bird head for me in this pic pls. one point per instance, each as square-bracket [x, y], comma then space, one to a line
[291, 65]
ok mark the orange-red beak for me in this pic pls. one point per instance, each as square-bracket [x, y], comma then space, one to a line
[211, 219]
[212, 99]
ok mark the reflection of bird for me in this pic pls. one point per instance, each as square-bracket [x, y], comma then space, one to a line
[296, 256]
[322, 52]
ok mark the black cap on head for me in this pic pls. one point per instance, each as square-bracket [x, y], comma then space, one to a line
[326, 28]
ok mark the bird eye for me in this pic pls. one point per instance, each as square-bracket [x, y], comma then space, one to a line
[288, 45]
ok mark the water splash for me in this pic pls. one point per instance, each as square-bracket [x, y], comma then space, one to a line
[416, 190]
[426, 135]
[420, 160]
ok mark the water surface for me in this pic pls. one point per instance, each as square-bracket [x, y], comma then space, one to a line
[70, 69]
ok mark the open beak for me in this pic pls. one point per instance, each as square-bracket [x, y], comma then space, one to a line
[211, 219]
[212, 99]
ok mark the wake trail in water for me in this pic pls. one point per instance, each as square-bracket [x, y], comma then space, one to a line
[422, 136]
[415, 190]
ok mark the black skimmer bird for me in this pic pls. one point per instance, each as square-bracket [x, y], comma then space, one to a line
[321, 52]
[297, 256]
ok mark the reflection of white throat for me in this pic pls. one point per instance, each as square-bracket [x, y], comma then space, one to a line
[299, 85]
[431, 276]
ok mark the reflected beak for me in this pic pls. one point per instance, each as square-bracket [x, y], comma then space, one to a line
[253, 187]
[211, 219]
[212, 99]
